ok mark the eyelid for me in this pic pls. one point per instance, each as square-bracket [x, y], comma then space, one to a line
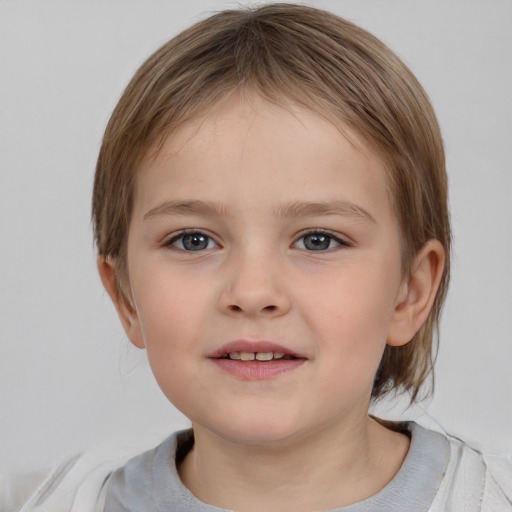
[340, 239]
[172, 238]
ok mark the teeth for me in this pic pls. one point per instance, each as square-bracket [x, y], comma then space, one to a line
[264, 356]
[259, 356]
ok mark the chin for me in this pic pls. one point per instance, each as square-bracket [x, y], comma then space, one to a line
[258, 431]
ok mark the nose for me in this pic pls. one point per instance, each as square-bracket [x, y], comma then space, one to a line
[254, 286]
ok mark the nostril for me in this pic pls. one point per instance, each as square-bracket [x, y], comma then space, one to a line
[268, 309]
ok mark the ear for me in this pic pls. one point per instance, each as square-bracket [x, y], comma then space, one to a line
[417, 293]
[124, 306]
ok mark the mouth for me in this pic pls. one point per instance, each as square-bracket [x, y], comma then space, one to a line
[261, 357]
[256, 360]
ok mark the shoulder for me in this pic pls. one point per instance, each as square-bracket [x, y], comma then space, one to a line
[77, 483]
[151, 481]
[82, 482]
[14, 491]
[499, 480]
[474, 477]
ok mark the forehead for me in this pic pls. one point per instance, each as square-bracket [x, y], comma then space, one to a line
[248, 145]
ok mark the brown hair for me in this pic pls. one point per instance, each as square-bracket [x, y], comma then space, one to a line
[289, 53]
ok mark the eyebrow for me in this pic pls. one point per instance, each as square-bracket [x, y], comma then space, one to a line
[336, 207]
[195, 207]
[295, 209]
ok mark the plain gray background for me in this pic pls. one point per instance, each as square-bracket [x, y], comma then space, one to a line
[68, 378]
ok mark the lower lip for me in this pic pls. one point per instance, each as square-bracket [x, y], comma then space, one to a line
[254, 370]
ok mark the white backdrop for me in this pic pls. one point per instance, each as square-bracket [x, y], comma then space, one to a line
[68, 378]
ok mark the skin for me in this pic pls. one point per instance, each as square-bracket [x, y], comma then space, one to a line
[301, 440]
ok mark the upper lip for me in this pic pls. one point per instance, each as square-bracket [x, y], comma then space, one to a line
[252, 346]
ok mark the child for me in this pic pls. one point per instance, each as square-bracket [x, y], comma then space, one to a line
[270, 212]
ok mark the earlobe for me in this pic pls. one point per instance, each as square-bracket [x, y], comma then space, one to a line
[417, 294]
[125, 309]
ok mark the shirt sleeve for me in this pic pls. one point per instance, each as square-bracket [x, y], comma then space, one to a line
[498, 488]
[15, 491]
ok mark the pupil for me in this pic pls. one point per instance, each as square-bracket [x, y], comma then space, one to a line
[195, 242]
[317, 242]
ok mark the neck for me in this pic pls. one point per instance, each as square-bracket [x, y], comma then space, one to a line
[333, 468]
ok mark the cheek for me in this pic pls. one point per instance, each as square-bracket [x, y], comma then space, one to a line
[351, 320]
[170, 323]
[169, 308]
[355, 305]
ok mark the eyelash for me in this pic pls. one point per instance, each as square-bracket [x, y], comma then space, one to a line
[316, 232]
[188, 232]
[323, 233]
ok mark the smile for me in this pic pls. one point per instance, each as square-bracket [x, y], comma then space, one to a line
[256, 360]
[258, 356]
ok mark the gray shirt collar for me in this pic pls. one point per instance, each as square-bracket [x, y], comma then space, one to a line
[150, 481]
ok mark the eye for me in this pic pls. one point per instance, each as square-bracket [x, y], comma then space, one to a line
[192, 241]
[318, 241]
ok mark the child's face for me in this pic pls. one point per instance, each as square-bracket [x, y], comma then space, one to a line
[289, 240]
